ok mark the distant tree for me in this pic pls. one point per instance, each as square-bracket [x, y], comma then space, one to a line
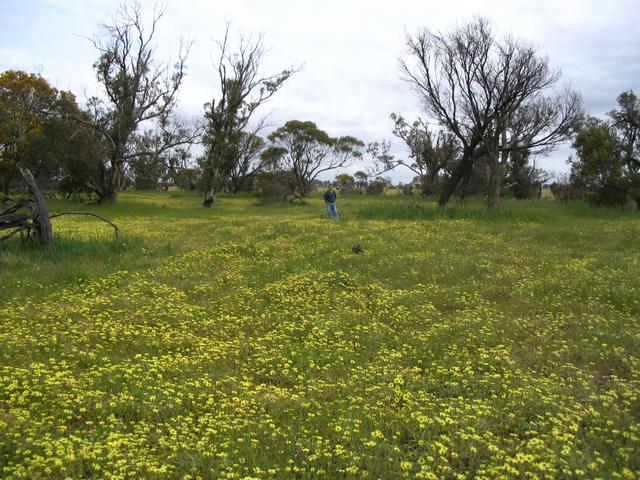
[490, 95]
[523, 178]
[626, 125]
[345, 182]
[275, 186]
[179, 170]
[138, 91]
[428, 154]
[377, 186]
[599, 169]
[361, 179]
[160, 156]
[232, 145]
[562, 189]
[147, 172]
[306, 151]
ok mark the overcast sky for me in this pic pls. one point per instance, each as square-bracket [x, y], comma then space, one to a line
[350, 82]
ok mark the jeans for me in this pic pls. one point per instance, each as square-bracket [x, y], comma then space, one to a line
[333, 212]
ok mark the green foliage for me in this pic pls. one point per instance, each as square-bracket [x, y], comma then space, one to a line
[429, 153]
[273, 187]
[36, 129]
[302, 148]
[599, 169]
[345, 183]
[523, 178]
[362, 180]
[147, 171]
[626, 124]
[376, 187]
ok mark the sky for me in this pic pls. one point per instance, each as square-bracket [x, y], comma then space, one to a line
[349, 82]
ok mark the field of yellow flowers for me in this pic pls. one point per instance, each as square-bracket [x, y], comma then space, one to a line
[251, 342]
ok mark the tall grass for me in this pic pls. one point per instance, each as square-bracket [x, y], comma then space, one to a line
[401, 208]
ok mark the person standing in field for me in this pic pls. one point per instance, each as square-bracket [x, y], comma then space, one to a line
[330, 199]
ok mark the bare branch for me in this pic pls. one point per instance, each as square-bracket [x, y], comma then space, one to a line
[115, 227]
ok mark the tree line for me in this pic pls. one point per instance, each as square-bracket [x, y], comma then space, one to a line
[492, 106]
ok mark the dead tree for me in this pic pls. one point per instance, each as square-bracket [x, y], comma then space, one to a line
[477, 86]
[27, 215]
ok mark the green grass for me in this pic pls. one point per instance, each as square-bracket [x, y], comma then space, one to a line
[250, 341]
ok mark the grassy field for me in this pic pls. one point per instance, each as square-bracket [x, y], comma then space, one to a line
[249, 341]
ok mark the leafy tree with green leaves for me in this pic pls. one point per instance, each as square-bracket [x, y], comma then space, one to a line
[523, 178]
[27, 102]
[361, 179]
[429, 153]
[137, 91]
[38, 132]
[598, 169]
[306, 151]
[232, 144]
[345, 182]
[626, 125]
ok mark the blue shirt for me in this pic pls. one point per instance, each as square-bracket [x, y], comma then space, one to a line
[329, 197]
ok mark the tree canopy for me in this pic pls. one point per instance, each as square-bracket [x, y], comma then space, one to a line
[302, 148]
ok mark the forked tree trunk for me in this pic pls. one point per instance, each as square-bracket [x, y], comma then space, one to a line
[112, 184]
[109, 195]
[461, 171]
[40, 211]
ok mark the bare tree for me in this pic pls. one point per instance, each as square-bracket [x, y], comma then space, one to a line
[138, 90]
[475, 86]
[231, 146]
[17, 220]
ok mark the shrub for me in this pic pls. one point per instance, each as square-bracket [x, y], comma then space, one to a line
[274, 186]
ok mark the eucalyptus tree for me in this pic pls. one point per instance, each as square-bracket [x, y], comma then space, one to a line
[29, 110]
[306, 151]
[490, 94]
[429, 152]
[626, 125]
[598, 170]
[232, 143]
[138, 90]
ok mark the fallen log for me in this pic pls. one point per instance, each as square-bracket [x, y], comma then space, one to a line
[40, 211]
[39, 218]
[117, 230]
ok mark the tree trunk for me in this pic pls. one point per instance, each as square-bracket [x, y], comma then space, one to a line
[209, 175]
[495, 180]
[463, 168]
[113, 182]
[40, 211]
[497, 166]
[109, 194]
[209, 197]
[6, 184]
